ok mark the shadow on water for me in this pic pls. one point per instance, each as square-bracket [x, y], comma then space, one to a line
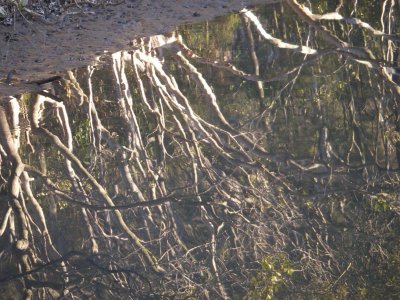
[251, 157]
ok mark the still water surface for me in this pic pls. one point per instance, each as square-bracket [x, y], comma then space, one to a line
[215, 162]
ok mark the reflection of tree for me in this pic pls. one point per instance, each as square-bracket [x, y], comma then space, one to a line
[152, 190]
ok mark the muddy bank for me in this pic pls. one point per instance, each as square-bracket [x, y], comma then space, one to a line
[33, 50]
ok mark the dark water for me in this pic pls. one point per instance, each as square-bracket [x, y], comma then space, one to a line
[238, 167]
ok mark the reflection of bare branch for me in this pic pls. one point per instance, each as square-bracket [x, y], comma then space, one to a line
[11, 148]
[275, 41]
[253, 55]
[335, 16]
[252, 77]
[77, 163]
[180, 190]
[359, 54]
